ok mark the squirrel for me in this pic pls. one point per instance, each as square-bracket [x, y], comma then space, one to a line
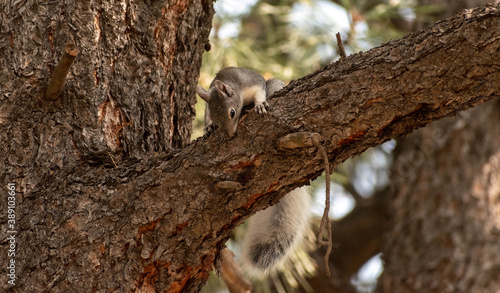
[231, 90]
[274, 232]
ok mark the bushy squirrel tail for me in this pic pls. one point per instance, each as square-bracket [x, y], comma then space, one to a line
[274, 232]
[273, 85]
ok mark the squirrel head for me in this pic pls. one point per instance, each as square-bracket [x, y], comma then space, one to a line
[224, 104]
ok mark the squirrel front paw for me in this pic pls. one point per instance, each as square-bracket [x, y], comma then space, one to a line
[261, 108]
[209, 129]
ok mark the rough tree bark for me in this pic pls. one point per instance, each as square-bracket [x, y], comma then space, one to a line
[157, 224]
[443, 234]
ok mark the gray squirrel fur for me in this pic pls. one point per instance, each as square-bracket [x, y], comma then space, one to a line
[275, 232]
[231, 89]
[272, 233]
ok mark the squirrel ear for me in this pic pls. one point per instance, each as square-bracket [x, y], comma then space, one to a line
[203, 93]
[223, 88]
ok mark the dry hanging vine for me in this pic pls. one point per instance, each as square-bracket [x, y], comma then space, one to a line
[307, 139]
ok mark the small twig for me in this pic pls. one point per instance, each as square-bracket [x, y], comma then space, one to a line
[112, 160]
[341, 47]
[232, 275]
[61, 71]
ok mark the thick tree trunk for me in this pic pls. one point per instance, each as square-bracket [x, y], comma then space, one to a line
[129, 95]
[130, 91]
[85, 222]
[443, 235]
[417, 160]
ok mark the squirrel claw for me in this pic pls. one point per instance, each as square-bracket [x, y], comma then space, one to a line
[261, 109]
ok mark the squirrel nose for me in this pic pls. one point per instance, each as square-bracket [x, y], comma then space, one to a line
[230, 134]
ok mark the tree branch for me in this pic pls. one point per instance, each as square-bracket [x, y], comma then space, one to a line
[179, 218]
[61, 71]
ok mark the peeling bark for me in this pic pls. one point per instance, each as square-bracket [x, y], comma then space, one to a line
[153, 218]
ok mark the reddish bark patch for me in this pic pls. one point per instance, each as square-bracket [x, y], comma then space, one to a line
[102, 248]
[207, 262]
[188, 273]
[255, 197]
[351, 138]
[178, 285]
[112, 120]
[245, 164]
[180, 7]
[372, 101]
[146, 228]
[149, 277]
[179, 228]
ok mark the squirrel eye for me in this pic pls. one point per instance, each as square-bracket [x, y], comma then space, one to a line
[232, 113]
